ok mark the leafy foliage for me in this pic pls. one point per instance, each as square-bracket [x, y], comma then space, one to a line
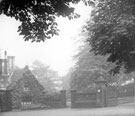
[88, 68]
[126, 90]
[45, 76]
[37, 17]
[112, 31]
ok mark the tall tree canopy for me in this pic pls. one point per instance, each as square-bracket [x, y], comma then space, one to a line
[37, 17]
[45, 75]
[112, 31]
[88, 68]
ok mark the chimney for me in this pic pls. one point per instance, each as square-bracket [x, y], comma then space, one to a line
[1, 66]
[5, 64]
[5, 53]
[11, 62]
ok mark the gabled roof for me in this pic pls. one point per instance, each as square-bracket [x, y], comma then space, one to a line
[19, 74]
[16, 75]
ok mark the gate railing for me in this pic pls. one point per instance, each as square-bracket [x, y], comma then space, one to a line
[79, 99]
[58, 100]
[111, 96]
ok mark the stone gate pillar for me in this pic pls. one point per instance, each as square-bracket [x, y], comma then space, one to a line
[101, 92]
[63, 98]
[73, 96]
[134, 90]
[1, 60]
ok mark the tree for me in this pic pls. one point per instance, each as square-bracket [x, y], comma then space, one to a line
[45, 75]
[111, 31]
[88, 68]
[37, 17]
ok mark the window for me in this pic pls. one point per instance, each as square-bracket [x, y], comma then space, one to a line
[26, 100]
[26, 86]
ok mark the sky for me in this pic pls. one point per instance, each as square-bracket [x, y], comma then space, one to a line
[56, 52]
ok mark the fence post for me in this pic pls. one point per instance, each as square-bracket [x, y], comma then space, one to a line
[73, 96]
[63, 98]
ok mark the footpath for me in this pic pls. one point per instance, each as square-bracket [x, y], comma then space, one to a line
[122, 110]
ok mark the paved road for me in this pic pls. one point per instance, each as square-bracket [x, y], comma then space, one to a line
[109, 111]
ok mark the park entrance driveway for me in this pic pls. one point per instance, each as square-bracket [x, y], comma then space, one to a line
[109, 111]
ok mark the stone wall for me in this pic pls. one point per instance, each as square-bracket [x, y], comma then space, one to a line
[5, 100]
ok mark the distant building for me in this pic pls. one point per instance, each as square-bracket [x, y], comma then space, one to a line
[6, 69]
[26, 90]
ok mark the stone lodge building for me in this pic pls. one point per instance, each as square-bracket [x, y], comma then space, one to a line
[26, 90]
